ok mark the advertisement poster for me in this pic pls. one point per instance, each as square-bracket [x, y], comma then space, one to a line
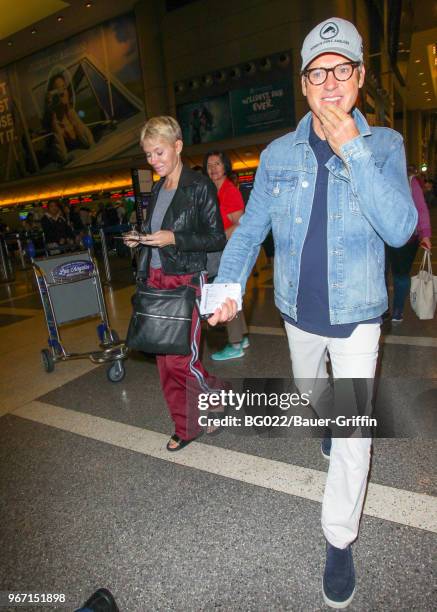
[257, 109]
[75, 103]
[206, 120]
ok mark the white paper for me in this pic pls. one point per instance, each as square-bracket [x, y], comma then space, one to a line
[214, 295]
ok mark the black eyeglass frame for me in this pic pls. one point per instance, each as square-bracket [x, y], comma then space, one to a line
[307, 73]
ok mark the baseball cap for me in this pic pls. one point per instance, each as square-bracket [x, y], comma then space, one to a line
[335, 35]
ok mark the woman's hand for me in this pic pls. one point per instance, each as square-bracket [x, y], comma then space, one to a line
[131, 239]
[425, 243]
[158, 239]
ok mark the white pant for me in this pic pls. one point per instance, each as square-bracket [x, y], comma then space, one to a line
[353, 357]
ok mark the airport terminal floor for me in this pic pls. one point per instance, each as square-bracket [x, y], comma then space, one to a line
[90, 496]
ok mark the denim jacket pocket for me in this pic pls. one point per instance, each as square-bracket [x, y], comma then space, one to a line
[280, 188]
[280, 184]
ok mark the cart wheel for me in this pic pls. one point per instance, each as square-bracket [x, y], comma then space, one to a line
[47, 360]
[116, 372]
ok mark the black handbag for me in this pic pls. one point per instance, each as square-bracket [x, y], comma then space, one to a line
[161, 321]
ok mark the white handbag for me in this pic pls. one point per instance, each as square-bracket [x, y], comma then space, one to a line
[422, 292]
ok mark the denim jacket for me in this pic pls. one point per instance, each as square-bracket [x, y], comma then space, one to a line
[369, 203]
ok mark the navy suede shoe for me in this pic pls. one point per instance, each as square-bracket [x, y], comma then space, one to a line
[325, 447]
[339, 577]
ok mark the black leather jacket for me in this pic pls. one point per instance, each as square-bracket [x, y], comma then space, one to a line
[194, 218]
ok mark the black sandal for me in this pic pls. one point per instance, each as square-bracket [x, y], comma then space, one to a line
[180, 443]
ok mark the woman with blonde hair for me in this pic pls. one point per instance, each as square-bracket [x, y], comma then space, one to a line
[183, 223]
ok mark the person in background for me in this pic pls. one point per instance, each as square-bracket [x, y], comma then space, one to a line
[29, 224]
[56, 230]
[182, 224]
[98, 215]
[400, 260]
[65, 210]
[77, 224]
[218, 167]
[66, 128]
[110, 215]
[38, 212]
[85, 217]
[121, 212]
[429, 193]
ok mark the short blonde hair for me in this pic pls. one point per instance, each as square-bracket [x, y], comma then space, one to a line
[164, 126]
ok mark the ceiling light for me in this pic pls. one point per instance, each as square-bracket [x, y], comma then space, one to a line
[265, 64]
[33, 31]
[428, 99]
[60, 18]
[10, 43]
[423, 84]
[421, 73]
[207, 79]
[250, 68]
[88, 4]
[284, 59]
[426, 92]
[417, 61]
[220, 75]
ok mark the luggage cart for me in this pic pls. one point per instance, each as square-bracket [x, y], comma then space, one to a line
[71, 290]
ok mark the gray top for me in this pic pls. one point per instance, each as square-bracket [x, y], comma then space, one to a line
[165, 196]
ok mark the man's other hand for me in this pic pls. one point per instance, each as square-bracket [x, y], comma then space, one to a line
[225, 313]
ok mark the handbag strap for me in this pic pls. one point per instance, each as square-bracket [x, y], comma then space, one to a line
[426, 262]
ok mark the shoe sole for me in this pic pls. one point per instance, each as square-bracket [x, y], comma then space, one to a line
[324, 455]
[226, 358]
[337, 605]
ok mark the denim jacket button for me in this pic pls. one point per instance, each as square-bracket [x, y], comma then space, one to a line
[305, 184]
[298, 219]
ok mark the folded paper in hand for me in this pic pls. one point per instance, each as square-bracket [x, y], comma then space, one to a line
[213, 296]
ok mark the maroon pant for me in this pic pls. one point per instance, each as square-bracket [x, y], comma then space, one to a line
[183, 376]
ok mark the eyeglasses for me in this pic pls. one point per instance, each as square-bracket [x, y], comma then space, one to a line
[342, 72]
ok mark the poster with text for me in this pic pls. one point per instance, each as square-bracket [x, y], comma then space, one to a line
[206, 120]
[262, 108]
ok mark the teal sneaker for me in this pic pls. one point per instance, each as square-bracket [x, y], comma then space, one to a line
[229, 352]
[245, 343]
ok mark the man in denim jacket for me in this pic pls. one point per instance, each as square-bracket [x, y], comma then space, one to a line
[333, 191]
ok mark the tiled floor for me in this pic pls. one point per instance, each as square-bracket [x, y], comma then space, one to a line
[90, 497]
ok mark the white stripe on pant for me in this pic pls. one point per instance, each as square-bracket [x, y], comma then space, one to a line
[353, 357]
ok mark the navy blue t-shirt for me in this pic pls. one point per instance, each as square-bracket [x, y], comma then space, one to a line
[313, 296]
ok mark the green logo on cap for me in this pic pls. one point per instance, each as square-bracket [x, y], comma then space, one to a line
[329, 30]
